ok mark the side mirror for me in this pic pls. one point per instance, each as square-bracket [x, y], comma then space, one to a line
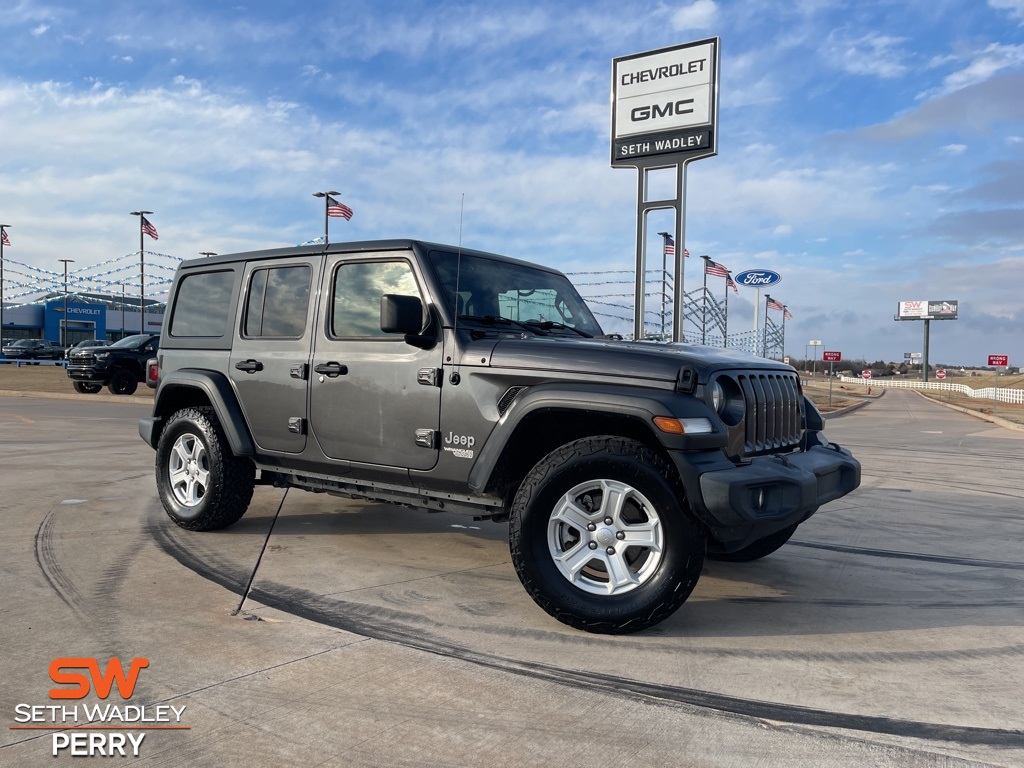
[401, 314]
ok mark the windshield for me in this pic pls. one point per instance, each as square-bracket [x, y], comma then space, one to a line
[24, 343]
[518, 292]
[132, 341]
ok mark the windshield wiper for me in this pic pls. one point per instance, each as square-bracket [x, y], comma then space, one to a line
[495, 320]
[547, 325]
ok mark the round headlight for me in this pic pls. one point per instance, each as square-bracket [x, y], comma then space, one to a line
[717, 397]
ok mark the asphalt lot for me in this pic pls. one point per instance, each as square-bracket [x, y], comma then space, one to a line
[320, 631]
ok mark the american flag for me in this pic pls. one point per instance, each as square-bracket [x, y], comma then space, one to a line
[7, 240]
[787, 314]
[730, 283]
[338, 210]
[686, 253]
[149, 229]
[773, 304]
[670, 246]
[714, 268]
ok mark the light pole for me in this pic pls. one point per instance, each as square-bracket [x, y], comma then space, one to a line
[64, 329]
[123, 334]
[327, 204]
[3, 240]
[142, 270]
[207, 254]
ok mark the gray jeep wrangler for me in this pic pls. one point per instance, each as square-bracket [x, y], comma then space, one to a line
[449, 379]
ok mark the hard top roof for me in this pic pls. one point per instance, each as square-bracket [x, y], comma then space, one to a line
[364, 246]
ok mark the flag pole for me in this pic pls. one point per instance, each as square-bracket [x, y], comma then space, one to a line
[327, 204]
[142, 270]
[704, 297]
[764, 344]
[3, 237]
[725, 323]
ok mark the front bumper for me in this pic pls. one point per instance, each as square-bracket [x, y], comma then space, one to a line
[741, 504]
[90, 374]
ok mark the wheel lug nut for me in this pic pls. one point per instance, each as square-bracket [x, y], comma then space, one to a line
[593, 545]
[610, 550]
[620, 535]
[608, 521]
[592, 527]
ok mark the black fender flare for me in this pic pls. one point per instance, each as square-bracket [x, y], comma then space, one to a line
[217, 390]
[623, 401]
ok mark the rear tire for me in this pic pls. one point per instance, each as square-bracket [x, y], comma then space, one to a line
[85, 388]
[600, 539]
[202, 485]
[123, 382]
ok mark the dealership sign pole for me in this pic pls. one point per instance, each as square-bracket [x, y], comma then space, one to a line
[927, 311]
[831, 358]
[664, 116]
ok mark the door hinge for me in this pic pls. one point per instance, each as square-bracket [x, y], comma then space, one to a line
[426, 438]
[297, 424]
[429, 377]
[299, 371]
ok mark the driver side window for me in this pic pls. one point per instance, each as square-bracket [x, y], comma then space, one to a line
[357, 290]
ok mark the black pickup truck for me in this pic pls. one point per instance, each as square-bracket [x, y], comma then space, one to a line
[119, 367]
[34, 349]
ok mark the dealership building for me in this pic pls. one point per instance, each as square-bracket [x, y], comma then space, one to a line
[89, 316]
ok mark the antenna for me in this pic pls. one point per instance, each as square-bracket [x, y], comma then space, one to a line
[456, 377]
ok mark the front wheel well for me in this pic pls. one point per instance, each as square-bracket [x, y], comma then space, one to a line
[542, 431]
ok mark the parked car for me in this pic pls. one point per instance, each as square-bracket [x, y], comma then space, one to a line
[120, 367]
[86, 343]
[447, 379]
[34, 349]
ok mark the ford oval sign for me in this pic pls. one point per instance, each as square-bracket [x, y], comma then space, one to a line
[757, 278]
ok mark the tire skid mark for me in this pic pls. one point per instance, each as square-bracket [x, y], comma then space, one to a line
[379, 624]
[49, 564]
[894, 554]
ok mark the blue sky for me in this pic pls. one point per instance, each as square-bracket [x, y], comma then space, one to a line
[870, 152]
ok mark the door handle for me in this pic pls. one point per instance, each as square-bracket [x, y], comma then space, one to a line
[249, 366]
[332, 369]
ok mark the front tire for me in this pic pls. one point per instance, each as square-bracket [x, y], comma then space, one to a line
[202, 485]
[123, 382]
[85, 388]
[599, 538]
[757, 550]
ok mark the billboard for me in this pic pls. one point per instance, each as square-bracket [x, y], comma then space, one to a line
[665, 102]
[943, 309]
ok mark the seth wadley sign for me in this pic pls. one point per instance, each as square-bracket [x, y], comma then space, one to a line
[664, 102]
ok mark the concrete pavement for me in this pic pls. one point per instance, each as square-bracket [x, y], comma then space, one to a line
[324, 631]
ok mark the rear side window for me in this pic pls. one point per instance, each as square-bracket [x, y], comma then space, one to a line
[202, 305]
[277, 302]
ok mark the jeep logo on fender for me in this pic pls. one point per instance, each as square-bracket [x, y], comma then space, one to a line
[758, 278]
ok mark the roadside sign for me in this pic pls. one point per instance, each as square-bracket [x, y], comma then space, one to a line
[999, 361]
[866, 374]
[814, 343]
[940, 374]
[832, 357]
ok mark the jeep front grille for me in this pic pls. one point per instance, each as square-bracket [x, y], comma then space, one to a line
[773, 408]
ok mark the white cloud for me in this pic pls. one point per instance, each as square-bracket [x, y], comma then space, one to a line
[955, 149]
[699, 15]
[993, 59]
[40, 30]
[783, 230]
[871, 54]
[1015, 7]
